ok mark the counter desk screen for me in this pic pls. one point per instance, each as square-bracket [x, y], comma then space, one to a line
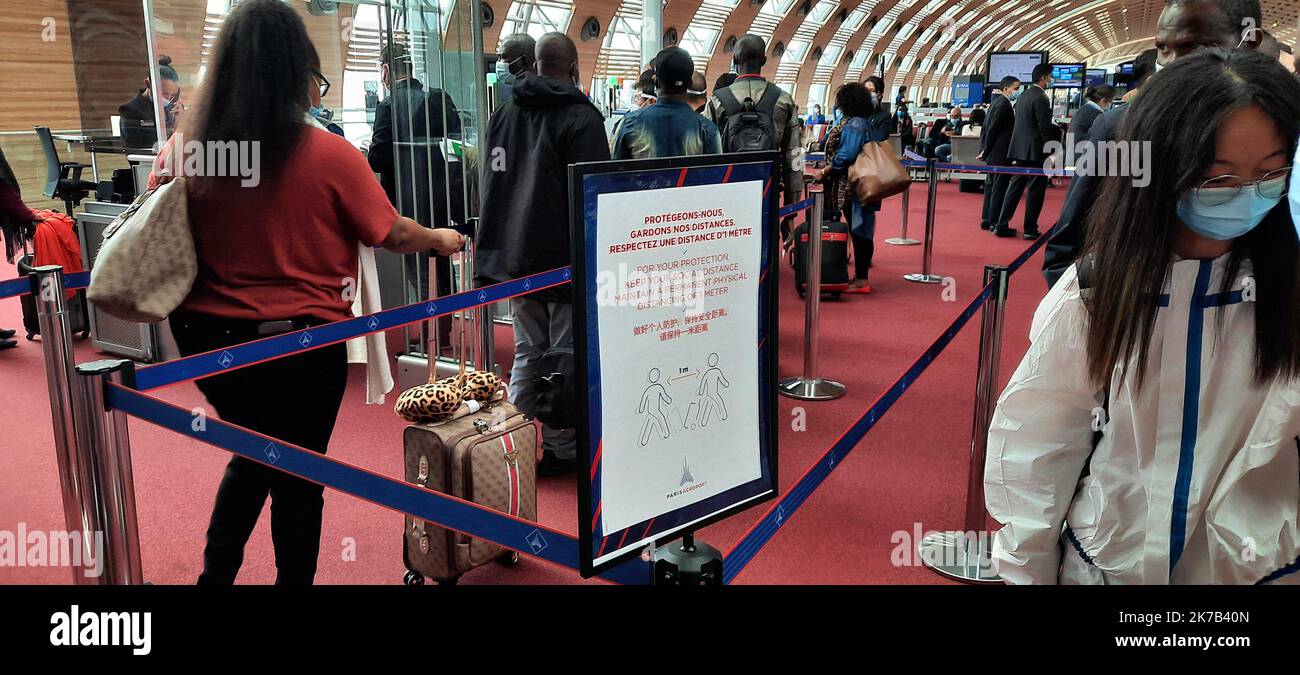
[1096, 77]
[1068, 75]
[1018, 64]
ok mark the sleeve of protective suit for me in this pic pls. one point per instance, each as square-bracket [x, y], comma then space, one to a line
[792, 155]
[1040, 439]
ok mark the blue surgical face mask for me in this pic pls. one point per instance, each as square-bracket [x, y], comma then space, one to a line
[1229, 220]
[1015, 95]
[1294, 195]
[315, 111]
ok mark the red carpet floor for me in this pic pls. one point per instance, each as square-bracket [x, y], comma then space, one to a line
[907, 475]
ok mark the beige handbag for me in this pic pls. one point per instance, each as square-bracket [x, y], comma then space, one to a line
[877, 174]
[146, 264]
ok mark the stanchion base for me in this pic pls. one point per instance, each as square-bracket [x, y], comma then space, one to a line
[815, 389]
[958, 556]
[920, 278]
[678, 565]
[898, 241]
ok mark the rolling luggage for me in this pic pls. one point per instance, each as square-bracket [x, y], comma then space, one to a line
[76, 307]
[484, 452]
[835, 258]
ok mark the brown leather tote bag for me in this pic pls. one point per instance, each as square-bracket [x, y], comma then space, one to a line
[877, 174]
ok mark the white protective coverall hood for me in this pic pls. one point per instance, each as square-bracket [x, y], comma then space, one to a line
[1196, 478]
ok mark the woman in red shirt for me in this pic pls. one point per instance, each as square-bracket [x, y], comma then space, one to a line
[277, 252]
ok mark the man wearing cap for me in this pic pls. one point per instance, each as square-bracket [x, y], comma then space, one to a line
[670, 127]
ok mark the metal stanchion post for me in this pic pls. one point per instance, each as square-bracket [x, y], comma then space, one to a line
[810, 387]
[967, 556]
[56, 344]
[902, 239]
[925, 277]
[104, 454]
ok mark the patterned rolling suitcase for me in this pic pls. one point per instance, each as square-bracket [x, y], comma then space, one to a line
[488, 457]
[468, 442]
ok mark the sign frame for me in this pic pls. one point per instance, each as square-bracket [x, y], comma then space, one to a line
[651, 174]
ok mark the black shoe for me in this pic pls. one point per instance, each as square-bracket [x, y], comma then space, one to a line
[1029, 234]
[7, 333]
[554, 466]
[985, 226]
[1006, 232]
[8, 344]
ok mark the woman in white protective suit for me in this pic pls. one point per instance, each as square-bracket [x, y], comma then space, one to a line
[1151, 434]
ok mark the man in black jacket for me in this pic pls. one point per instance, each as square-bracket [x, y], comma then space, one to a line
[1183, 27]
[524, 227]
[405, 149]
[995, 137]
[1032, 131]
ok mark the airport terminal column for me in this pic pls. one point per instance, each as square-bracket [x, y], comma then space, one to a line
[925, 277]
[56, 344]
[810, 387]
[652, 29]
[902, 239]
[967, 556]
[104, 453]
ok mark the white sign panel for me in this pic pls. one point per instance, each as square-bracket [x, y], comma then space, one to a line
[677, 282]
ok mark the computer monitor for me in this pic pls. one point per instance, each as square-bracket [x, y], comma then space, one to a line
[1068, 75]
[1096, 77]
[1017, 64]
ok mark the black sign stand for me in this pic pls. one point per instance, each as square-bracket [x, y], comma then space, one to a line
[685, 562]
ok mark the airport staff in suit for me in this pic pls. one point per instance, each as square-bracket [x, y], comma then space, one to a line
[995, 138]
[1032, 131]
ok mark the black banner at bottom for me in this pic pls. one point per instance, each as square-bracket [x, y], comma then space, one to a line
[817, 623]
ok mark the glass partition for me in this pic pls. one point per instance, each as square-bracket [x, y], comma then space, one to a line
[417, 114]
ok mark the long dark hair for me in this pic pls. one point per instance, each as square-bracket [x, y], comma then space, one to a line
[1131, 229]
[255, 89]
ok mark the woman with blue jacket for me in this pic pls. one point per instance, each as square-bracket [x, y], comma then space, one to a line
[864, 122]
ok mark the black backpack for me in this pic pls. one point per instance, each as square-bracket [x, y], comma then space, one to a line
[749, 127]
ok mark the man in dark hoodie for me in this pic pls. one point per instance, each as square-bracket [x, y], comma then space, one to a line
[524, 226]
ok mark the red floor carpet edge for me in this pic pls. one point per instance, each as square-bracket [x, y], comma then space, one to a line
[907, 475]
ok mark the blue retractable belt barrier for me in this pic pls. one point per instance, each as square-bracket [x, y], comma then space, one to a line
[762, 531]
[795, 208]
[456, 514]
[249, 353]
[22, 285]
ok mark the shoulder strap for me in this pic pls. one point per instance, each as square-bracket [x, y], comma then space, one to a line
[771, 95]
[730, 104]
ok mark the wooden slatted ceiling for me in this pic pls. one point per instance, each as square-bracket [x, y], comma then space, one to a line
[823, 36]
[678, 14]
[39, 85]
[736, 25]
[603, 11]
[784, 30]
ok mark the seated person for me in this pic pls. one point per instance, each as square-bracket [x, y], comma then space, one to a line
[138, 119]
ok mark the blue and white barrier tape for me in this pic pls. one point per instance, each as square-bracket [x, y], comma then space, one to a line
[513, 533]
[258, 351]
[23, 285]
[795, 208]
[762, 531]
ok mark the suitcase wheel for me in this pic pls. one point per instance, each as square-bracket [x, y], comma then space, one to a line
[413, 578]
[835, 295]
[509, 558]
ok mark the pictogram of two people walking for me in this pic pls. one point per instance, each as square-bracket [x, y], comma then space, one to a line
[708, 405]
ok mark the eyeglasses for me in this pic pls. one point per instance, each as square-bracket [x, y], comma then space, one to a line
[323, 83]
[1223, 189]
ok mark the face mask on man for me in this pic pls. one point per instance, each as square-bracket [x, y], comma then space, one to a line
[1231, 219]
[504, 76]
[1015, 94]
[875, 98]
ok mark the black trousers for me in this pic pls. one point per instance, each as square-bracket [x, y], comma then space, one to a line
[1037, 186]
[995, 191]
[863, 249]
[295, 399]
